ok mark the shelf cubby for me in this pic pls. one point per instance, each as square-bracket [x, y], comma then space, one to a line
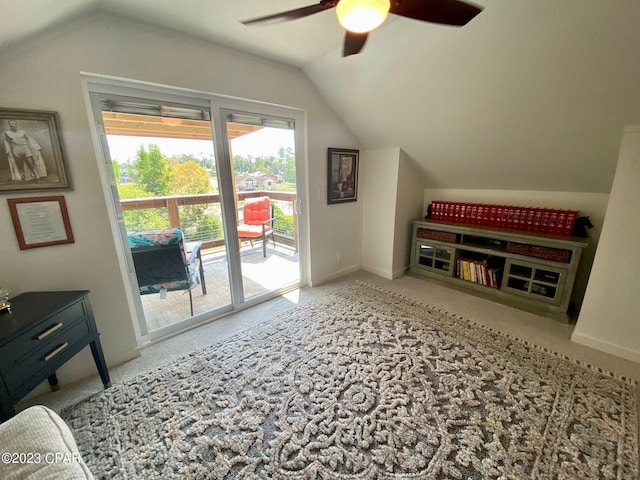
[532, 271]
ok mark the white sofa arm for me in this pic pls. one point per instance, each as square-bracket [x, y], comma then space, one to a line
[37, 444]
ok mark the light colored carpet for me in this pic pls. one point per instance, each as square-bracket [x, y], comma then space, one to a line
[364, 383]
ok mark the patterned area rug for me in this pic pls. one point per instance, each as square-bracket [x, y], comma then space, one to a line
[364, 384]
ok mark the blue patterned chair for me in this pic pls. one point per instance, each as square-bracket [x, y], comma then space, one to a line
[161, 262]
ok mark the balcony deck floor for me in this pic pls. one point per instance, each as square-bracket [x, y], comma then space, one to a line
[260, 274]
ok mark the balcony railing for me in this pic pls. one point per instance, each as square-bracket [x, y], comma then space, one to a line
[285, 230]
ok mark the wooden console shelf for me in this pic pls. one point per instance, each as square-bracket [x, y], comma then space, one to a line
[528, 270]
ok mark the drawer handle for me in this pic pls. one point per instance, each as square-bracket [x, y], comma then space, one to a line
[50, 331]
[53, 353]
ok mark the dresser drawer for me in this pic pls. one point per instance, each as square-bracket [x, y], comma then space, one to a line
[43, 333]
[47, 354]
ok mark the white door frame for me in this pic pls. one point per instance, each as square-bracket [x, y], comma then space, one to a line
[105, 85]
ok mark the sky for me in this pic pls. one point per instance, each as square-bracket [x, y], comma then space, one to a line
[265, 142]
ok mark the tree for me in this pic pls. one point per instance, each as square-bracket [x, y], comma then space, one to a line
[189, 177]
[241, 165]
[147, 219]
[208, 163]
[283, 223]
[151, 171]
[117, 171]
[290, 170]
[197, 221]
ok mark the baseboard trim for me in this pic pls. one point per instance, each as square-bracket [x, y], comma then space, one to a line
[333, 276]
[400, 273]
[377, 271]
[607, 347]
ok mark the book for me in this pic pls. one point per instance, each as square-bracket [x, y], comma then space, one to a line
[571, 220]
[553, 220]
[516, 218]
[510, 217]
[493, 212]
[499, 221]
[485, 215]
[473, 217]
[537, 220]
[544, 220]
[493, 275]
[463, 213]
[531, 213]
[447, 211]
[466, 270]
[435, 206]
[561, 222]
[456, 212]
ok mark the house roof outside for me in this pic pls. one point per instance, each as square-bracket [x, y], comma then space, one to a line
[256, 180]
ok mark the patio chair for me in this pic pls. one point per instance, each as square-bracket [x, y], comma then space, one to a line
[257, 222]
[162, 264]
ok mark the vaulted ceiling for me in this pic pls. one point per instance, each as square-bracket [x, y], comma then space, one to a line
[530, 95]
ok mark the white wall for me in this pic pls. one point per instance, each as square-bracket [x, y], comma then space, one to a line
[610, 316]
[411, 181]
[44, 74]
[392, 193]
[593, 205]
[379, 192]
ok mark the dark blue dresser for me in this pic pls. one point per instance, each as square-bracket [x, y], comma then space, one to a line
[42, 331]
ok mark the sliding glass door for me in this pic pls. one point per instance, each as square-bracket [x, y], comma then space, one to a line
[200, 165]
[261, 153]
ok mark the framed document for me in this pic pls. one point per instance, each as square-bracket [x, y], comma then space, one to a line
[40, 221]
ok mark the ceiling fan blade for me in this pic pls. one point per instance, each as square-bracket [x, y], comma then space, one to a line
[292, 14]
[447, 12]
[353, 43]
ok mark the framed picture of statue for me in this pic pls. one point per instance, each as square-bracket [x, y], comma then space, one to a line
[31, 152]
[342, 175]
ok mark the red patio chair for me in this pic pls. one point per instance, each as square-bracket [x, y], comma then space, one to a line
[257, 222]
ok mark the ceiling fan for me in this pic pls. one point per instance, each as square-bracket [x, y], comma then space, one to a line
[359, 17]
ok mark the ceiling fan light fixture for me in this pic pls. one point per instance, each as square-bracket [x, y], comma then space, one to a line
[361, 16]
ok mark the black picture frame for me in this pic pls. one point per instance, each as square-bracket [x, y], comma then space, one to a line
[342, 175]
[32, 156]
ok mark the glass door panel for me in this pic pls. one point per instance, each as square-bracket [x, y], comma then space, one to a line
[161, 161]
[535, 282]
[263, 169]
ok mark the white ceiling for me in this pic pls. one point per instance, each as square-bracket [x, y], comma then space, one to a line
[530, 95]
